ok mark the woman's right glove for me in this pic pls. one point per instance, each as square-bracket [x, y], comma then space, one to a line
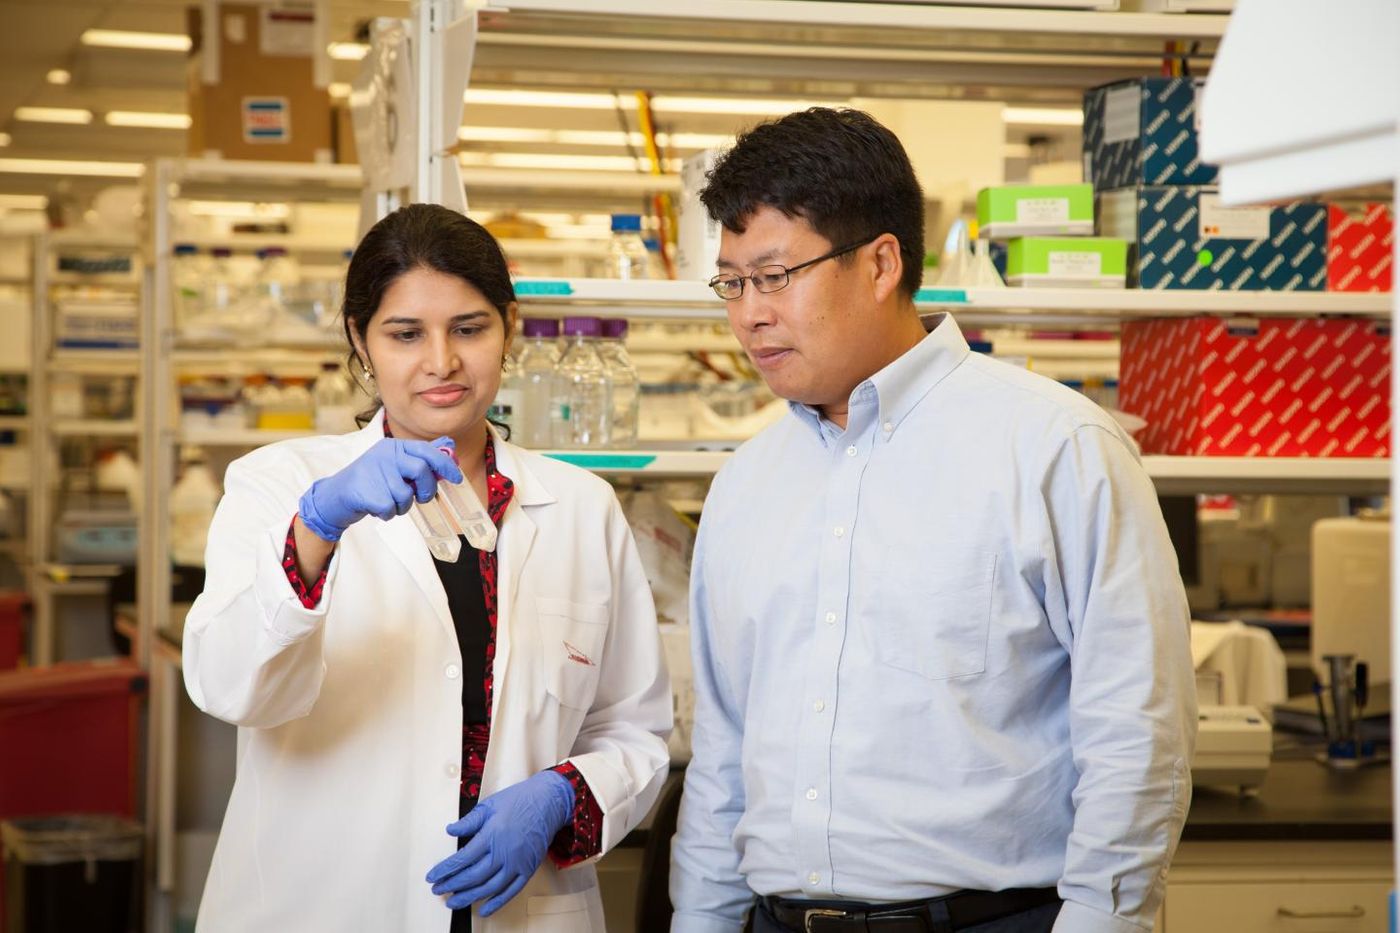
[383, 482]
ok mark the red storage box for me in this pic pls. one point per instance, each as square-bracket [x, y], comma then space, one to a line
[1258, 388]
[1359, 249]
[69, 739]
[13, 613]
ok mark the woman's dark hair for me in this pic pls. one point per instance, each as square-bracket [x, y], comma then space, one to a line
[421, 236]
[840, 170]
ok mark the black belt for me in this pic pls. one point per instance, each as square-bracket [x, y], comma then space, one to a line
[938, 915]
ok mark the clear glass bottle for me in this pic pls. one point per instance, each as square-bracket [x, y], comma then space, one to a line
[623, 384]
[278, 275]
[627, 254]
[534, 372]
[580, 410]
[220, 288]
[506, 407]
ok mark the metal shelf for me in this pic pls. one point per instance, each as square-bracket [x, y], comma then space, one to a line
[93, 427]
[694, 300]
[247, 437]
[95, 362]
[255, 360]
[681, 463]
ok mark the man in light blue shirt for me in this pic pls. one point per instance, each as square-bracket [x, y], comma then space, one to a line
[941, 648]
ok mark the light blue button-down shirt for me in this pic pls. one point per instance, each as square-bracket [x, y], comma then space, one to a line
[946, 648]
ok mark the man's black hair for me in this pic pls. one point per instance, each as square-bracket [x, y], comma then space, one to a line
[840, 170]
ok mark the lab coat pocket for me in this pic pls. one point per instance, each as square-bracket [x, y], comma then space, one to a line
[572, 636]
[560, 913]
[933, 621]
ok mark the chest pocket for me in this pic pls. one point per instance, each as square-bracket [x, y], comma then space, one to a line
[932, 621]
[572, 636]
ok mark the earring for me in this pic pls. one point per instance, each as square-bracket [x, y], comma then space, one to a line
[368, 375]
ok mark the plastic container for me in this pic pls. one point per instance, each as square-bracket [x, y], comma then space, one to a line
[534, 373]
[580, 409]
[72, 872]
[14, 610]
[192, 503]
[455, 510]
[623, 384]
[627, 253]
[334, 398]
[187, 273]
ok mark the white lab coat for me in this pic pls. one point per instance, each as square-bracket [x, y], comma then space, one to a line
[350, 714]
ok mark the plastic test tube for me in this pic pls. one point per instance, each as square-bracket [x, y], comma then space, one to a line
[437, 531]
[460, 502]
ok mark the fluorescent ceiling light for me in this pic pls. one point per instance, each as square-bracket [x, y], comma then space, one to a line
[347, 51]
[150, 41]
[53, 115]
[339, 89]
[243, 210]
[148, 120]
[592, 101]
[1043, 116]
[58, 76]
[23, 202]
[612, 138]
[544, 160]
[71, 167]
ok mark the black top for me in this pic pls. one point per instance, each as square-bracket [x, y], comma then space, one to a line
[466, 602]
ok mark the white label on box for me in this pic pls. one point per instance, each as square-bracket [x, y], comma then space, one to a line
[1122, 114]
[1234, 223]
[287, 32]
[267, 120]
[1075, 264]
[1042, 211]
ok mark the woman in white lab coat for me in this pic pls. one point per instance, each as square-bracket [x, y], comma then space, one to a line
[419, 736]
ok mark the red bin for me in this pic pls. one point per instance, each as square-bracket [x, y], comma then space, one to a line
[14, 608]
[70, 739]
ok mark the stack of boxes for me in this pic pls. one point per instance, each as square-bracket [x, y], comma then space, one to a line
[1306, 387]
[1049, 229]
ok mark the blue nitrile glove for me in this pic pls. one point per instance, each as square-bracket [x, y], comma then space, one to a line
[508, 833]
[381, 482]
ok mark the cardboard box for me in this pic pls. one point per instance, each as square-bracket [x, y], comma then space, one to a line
[262, 101]
[1067, 262]
[1035, 210]
[1360, 245]
[1183, 238]
[1144, 132]
[1258, 388]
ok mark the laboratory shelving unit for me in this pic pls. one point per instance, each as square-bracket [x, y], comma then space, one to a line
[49, 579]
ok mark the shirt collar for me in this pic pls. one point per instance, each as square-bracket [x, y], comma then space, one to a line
[900, 385]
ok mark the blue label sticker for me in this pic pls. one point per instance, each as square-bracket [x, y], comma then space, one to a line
[941, 296]
[544, 287]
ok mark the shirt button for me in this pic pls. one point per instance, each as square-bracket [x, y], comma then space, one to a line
[813, 878]
[851, 451]
[811, 793]
[453, 672]
[452, 770]
[831, 618]
[888, 426]
[819, 706]
[839, 531]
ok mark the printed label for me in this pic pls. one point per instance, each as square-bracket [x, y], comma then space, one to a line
[1042, 211]
[286, 32]
[1076, 264]
[267, 120]
[1122, 114]
[1234, 223]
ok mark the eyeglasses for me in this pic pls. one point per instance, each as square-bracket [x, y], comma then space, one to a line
[775, 277]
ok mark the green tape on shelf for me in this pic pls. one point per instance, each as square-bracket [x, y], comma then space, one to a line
[607, 461]
[941, 296]
[544, 287]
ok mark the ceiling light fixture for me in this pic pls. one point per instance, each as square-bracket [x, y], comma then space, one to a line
[347, 51]
[71, 115]
[1042, 116]
[510, 97]
[148, 120]
[545, 160]
[146, 41]
[58, 76]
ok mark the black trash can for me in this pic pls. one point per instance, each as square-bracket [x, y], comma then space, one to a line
[73, 872]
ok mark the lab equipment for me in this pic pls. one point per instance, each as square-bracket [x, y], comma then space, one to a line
[1234, 745]
[623, 384]
[627, 253]
[580, 410]
[1351, 591]
[383, 481]
[508, 834]
[1349, 689]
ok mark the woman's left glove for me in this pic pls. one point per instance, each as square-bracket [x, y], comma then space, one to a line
[508, 834]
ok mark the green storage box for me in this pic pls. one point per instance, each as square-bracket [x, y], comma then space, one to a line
[1067, 262]
[1035, 210]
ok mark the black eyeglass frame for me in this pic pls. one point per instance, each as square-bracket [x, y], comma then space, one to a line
[716, 282]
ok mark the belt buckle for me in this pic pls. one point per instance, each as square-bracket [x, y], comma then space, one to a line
[817, 912]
